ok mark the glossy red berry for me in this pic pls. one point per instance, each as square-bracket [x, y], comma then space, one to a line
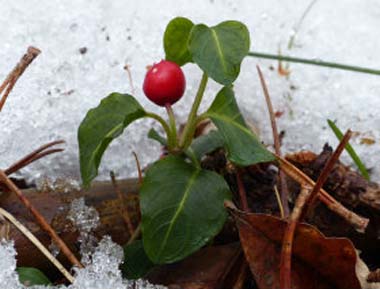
[164, 83]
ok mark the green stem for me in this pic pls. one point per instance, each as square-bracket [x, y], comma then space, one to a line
[164, 125]
[172, 123]
[188, 131]
[315, 62]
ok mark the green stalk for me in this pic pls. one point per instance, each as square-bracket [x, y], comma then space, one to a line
[315, 62]
[166, 127]
[189, 129]
[172, 123]
[338, 133]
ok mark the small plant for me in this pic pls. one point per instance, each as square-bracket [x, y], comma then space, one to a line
[182, 204]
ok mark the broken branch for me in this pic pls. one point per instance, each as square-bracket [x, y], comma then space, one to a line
[17, 71]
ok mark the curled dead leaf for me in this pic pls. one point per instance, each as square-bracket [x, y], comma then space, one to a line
[318, 262]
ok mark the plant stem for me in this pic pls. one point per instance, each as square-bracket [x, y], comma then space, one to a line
[189, 129]
[172, 123]
[164, 125]
[316, 62]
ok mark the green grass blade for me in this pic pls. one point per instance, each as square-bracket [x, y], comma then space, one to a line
[350, 150]
[316, 62]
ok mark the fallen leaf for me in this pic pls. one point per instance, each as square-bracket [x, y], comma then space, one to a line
[318, 262]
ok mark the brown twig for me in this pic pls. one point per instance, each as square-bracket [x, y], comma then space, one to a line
[17, 71]
[287, 242]
[33, 156]
[277, 145]
[326, 172]
[301, 207]
[358, 222]
[126, 68]
[40, 219]
[138, 168]
[123, 208]
[242, 191]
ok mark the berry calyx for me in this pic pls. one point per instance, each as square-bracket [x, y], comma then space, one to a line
[164, 83]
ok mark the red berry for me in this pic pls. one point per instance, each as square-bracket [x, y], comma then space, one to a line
[164, 83]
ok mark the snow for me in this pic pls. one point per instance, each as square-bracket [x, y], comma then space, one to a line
[102, 273]
[62, 84]
[53, 96]
[101, 259]
[57, 90]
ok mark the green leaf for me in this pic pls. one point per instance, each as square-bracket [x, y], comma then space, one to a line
[102, 125]
[31, 276]
[338, 133]
[242, 145]
[136, 263]
[182, 208]
[154, 135]
[176, 38]
[206, 144]
[219, 50]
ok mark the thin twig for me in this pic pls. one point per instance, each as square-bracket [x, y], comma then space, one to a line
[135, 234]
[40, 219]
[242, 191]
[278, 198]
[37, 243]
[123, 208]
[126, 68]
[277, 145]
[326, 172]
[138, 168]
[358, 222]
[17, 71]
[33, 156]
[303, 204]
[287, 242]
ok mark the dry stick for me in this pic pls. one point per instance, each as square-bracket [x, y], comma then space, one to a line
[278, 198]
[40, 219]
[303, 203]
[37, 243]
[277, 146]
[287, 242]
[358, 222]
[137, 232]
[242, 191]
[126, 68]
[123, 208]
[138, 168]
[325, 173]
[17, 71]
[33, 156]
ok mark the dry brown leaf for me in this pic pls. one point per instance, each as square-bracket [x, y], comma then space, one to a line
[318, 262]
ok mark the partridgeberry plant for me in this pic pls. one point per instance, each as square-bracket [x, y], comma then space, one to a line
[181, 203]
